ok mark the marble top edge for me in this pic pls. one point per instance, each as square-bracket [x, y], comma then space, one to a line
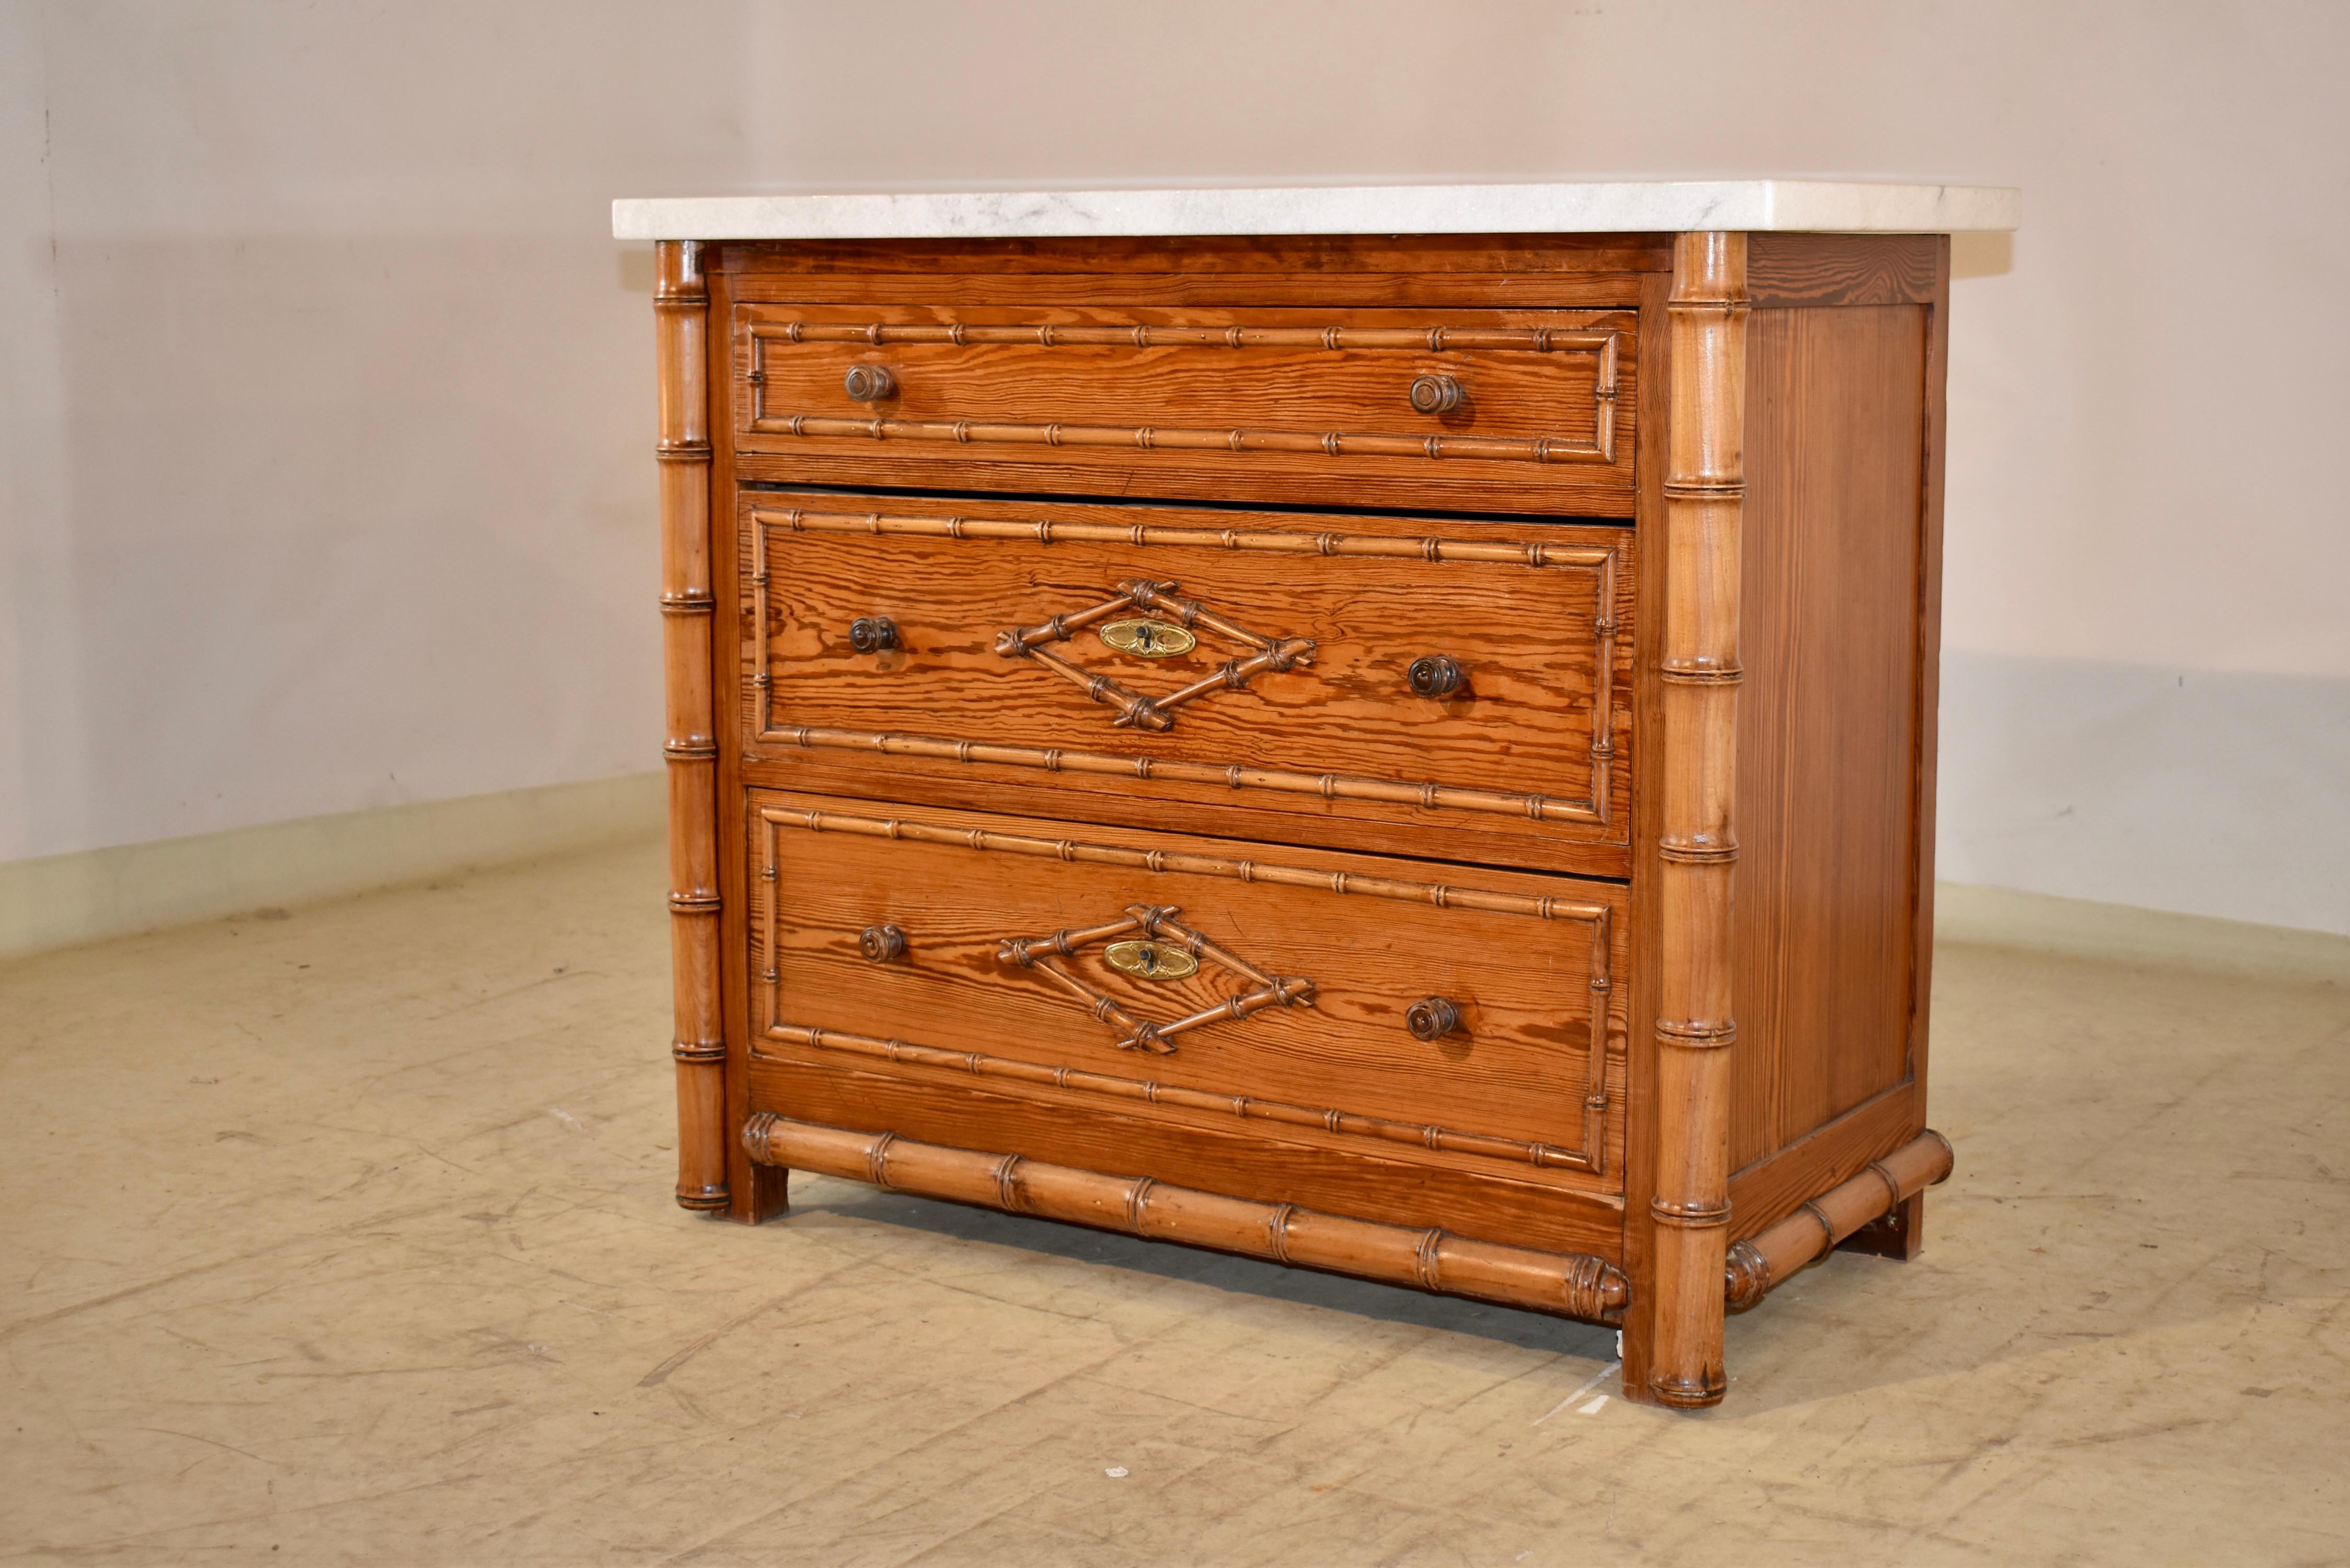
[1816, 206]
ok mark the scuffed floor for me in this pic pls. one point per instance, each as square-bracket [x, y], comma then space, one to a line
[346, 1237]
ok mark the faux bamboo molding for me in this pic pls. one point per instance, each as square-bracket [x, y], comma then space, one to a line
[1046, 531]
[1594, 808]
[1770, 1257]
[1246, 1107]
[1699, 671]
[1278, 654]
[1591, 1157]
[1416, 339]
[1601, 347]
[1442, 894]
[1572, 1285]
[1158, 922]
[680, 307]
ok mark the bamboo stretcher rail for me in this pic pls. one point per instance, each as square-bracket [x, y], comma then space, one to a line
[1769, 1257]
[1566, 1284]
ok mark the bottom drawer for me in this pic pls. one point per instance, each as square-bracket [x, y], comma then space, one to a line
[1338, 1003]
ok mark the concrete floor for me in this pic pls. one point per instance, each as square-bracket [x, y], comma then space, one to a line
[345, 1236]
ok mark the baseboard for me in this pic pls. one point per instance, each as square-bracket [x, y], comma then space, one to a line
[2154, 939]
[61, 901]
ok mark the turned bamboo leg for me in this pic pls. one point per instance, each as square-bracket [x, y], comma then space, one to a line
[1704, 494]
[680, 306]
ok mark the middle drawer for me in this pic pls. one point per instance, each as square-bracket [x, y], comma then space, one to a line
[1354, 681]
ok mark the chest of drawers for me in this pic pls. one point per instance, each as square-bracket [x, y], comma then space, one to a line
[1404, 756]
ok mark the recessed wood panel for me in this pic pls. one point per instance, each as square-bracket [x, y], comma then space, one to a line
[1828, 720]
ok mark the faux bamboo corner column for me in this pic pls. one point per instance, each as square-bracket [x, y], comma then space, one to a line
[682, 313]
[1705, 488]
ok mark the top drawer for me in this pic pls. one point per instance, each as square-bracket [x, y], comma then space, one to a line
[1500, 409]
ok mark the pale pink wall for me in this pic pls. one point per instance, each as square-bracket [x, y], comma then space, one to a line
[328, 412]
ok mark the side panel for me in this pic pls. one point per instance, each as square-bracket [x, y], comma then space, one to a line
[1836, 719]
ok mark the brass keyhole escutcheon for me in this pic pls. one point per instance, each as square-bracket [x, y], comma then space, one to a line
[1150, 961]
[1146, 639]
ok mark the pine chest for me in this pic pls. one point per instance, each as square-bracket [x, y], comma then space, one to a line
[1411, 755]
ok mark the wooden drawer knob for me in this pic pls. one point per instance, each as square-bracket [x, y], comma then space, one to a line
[1436, 675]
[869, 383]
[881, 944]
[873, 633]
[1432, 1019]
[1435, 394]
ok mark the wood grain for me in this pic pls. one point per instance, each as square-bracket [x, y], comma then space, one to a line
[1642, 1154]
[754, 1192]
[1443, 268]
[1217, 811]
[1527, 1080]
[1844, 269]
[1536, 746]
[1903, 1234]
[1263, 1166]
[1571, 1285]
[1768, 1189]
[1106, 398]
[1828, 735]
[1880, 1188]
[1368, 290]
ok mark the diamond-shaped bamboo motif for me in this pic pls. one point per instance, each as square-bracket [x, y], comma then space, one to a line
[1277, 654]
[1156, 922]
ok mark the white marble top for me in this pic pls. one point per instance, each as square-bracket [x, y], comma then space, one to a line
[1820, 206]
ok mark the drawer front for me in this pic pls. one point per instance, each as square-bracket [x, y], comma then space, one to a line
[1406, 675]
[1293, 995]
[1524, 409]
